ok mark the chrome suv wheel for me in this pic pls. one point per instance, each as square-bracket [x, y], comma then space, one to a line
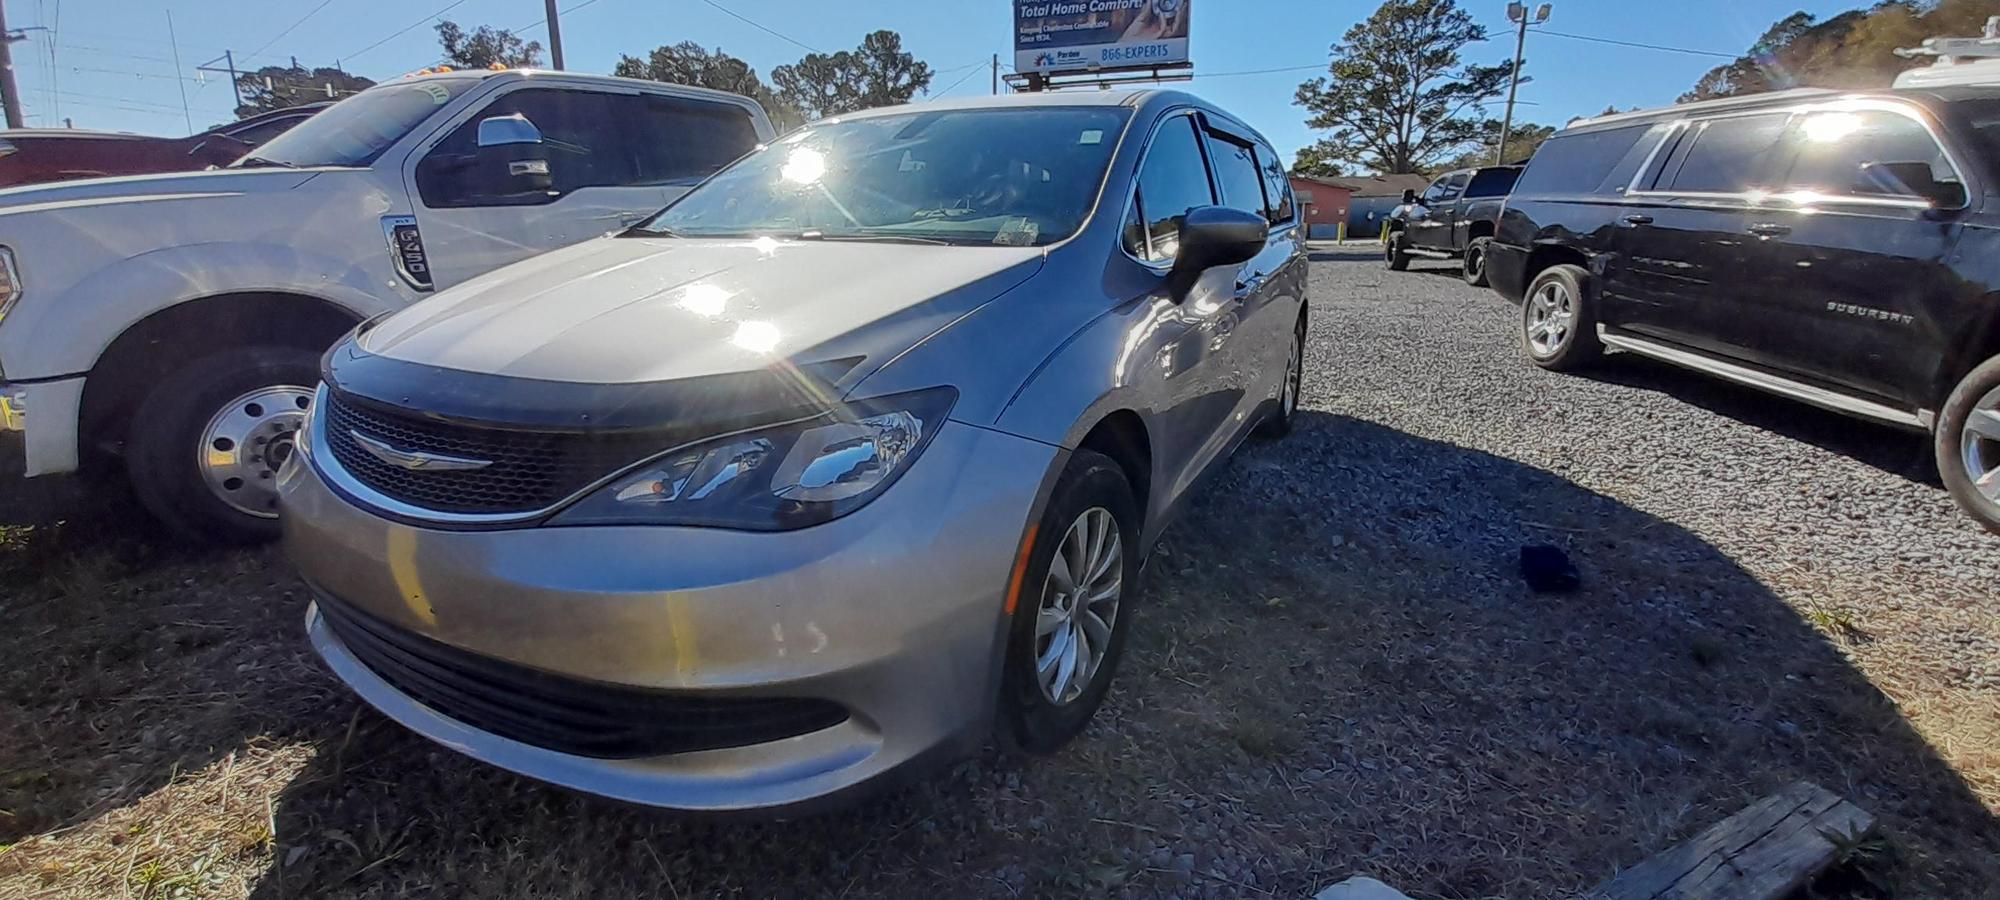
[246, 442]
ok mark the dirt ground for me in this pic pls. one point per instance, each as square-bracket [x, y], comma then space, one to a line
[1336, 671]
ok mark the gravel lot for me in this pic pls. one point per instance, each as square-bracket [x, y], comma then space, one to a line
[1336, 672]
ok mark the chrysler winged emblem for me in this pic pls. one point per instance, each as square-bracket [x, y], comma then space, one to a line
[416, 460]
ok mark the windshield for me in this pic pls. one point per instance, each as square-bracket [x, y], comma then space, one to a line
[1018, 177]
[356, 130]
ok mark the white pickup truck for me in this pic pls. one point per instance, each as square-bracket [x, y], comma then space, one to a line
[177, 321]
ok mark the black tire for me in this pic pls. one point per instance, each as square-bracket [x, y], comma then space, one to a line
[1028, 720]
[1578, 346]
[1475, 262]
[164, 445]
[1396, 252]
[1279, 423]
[1953, 468]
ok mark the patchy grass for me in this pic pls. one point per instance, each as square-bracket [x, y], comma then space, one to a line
[1407, 710]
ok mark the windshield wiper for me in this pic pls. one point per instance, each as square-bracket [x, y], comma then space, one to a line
[259, 162]
[877, 238]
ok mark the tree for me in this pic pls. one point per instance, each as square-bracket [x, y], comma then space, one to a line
[1521, 144]
[1314, 161]
[486, 47]
[1855, 49]
[877, 73]
[1399, 97]
[277, 87]
[690, 63]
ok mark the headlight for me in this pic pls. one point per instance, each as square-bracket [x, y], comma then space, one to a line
[772, 479]
[10, 281]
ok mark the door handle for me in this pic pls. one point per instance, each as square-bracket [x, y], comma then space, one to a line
[1638, 219]
[1770, 229]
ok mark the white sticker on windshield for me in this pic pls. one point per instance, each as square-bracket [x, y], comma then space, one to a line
[1017, 232]
[1091, 136]
[439, 96]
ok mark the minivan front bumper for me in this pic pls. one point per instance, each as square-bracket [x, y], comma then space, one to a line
[894, 612]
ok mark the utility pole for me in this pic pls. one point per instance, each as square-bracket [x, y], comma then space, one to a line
[174, 44]
[555, 35]
[996, 73]
[1517, 13]
[228, 60]
[10, 93]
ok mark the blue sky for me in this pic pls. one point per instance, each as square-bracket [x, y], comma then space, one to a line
[114, 65]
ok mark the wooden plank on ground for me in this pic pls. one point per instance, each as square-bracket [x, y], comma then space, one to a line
[1768, 850]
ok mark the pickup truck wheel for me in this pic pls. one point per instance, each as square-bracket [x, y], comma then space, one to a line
[1475, 262]
[1396, 252]
[204, 454]
[1967, 442]
[1558, 323]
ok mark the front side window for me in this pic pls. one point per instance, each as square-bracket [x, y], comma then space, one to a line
[1725, 156]
[581, 142]
[1236, 173]
[1023, 177]
[1438, 192]
[1867, 153]
[356, 130]
[1173, 181]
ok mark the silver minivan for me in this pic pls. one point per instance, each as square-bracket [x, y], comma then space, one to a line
[846, 460]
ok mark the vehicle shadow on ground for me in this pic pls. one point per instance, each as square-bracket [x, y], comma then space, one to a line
[1904, 454]
[1335, 669]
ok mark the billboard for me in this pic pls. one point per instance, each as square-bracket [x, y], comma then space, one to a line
[1057, 36]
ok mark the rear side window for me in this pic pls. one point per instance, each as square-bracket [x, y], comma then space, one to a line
[1492, 182]
[1860, 154]
[1724, 156]
[678, 140]
[1277, 185]
[1173, 181]
[1581, 163]
[1236, 172]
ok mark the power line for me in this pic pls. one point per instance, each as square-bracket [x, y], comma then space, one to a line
[288, 29]
[404, 30]
[969, 70]
[770, 31]
[544, 20]
[1600, 40]
[1260, 71]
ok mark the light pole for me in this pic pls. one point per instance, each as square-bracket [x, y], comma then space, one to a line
[1517, 13]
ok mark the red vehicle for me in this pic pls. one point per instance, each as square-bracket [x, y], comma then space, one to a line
[35, 155]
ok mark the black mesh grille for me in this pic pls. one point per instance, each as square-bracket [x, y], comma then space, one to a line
[528, 471]
[567, 715]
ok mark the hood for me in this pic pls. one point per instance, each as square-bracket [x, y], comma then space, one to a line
[625, 309]
[211, 183]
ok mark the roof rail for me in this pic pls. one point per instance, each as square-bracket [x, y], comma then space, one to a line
[1703, 106]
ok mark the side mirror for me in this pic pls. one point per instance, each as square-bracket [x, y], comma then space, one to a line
[1213, 236]
[1409, 196]
[505, 131]
[1917, 178]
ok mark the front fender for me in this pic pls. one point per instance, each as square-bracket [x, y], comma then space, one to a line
[64, 334]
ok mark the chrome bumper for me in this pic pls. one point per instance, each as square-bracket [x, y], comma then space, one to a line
[50, 447]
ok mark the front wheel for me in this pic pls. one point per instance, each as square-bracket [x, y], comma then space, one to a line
[1475, 262]
[1280, 424]
[1396, 252]
[1967, 444]
[1073, 606]
[207, 443]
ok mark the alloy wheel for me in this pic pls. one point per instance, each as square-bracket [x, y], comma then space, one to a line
[1079, 606]
[1294, 372]
[1979, 446]
[1551, 315]
[247, 441]
[1475, 263]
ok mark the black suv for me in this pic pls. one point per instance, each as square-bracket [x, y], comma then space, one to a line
[1451, 218]
[1839, 248]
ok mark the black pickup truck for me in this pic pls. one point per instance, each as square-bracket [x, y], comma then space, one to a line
[1451, 219]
